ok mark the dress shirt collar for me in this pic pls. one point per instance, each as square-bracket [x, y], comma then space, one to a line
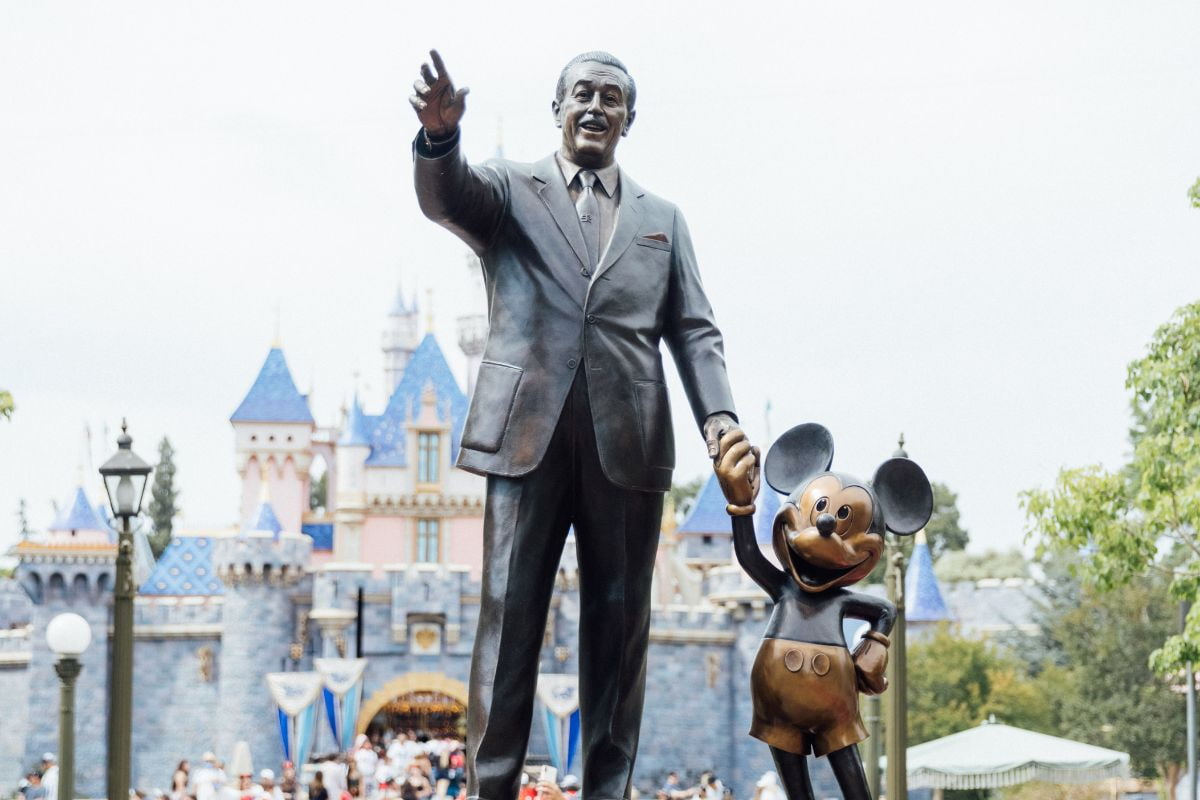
[609, 177]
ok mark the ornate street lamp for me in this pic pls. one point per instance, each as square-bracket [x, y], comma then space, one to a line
[125, 477]
[68, 636]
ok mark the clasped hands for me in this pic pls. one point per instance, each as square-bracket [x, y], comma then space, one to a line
[736, 463]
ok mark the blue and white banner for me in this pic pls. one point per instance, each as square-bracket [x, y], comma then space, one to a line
[342, 692]
[296, 694]
[559, 694]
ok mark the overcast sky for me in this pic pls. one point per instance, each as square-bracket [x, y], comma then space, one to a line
[956, 220]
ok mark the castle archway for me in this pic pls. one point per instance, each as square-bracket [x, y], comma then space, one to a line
[429, 701]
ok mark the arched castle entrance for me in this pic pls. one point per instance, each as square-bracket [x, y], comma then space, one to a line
[428, 701]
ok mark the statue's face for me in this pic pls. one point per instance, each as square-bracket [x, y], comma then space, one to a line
[823, 534]
[593, 114]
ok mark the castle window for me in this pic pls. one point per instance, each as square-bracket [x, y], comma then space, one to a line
[428, 450]
[429, 541]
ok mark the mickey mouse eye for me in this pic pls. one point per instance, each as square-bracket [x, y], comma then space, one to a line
[843, 512]
[822, 504]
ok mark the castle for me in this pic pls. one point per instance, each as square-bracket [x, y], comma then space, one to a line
[387, 570]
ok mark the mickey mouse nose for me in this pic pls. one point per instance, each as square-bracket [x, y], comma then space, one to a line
[826, 524]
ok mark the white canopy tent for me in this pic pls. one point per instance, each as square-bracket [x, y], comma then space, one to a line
[994, 755]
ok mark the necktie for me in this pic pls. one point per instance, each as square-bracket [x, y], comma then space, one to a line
[589, 215]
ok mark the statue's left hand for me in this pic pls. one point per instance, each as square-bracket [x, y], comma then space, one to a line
[870, 664]
[716, 426]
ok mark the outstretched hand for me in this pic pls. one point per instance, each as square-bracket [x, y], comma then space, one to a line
[438, 105]
[737, 468]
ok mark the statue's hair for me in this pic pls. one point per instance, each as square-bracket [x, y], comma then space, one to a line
[600, 57]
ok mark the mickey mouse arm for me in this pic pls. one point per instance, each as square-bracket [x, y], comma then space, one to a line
[880, 613]
[756, 565]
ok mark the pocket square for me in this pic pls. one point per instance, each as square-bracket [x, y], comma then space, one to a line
[658, 237]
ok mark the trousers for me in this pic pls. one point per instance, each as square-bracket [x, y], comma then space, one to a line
[526, 521]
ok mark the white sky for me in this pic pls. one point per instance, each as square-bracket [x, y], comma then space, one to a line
[959, 220]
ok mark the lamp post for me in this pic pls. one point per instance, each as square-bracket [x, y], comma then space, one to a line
[125, 478]
[896, 712]
[68, 636]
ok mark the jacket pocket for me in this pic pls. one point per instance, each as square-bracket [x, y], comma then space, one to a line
[654, 416]
[655, 243]
[495, 391]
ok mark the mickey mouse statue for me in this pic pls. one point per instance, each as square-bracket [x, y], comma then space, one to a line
[828, 535]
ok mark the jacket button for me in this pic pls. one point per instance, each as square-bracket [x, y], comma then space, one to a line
[585, 272]
[591, 318]
[572, 363]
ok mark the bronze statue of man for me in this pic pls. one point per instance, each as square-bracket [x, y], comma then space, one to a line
[586, 273]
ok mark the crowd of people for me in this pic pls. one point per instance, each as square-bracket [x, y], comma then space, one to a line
[396, 766]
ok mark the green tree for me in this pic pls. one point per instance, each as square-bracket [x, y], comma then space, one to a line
[23, 529]
[164, 498]
[318, 492]
[957, 682]
[683, 495]
[944, 533]
[1112, 698]
[964, 566]
[1143, 518]
[7, 406]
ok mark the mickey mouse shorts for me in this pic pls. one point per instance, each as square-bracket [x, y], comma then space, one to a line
[805, 697]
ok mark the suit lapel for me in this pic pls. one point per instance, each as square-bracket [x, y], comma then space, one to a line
[629, 220]
[553, 191]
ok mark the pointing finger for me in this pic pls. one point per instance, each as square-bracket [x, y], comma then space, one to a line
[439, 65]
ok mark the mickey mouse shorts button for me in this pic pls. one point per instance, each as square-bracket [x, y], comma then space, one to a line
[794, 660]
[820, 663]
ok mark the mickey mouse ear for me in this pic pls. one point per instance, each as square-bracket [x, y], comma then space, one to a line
[797, 455]
[905, 495]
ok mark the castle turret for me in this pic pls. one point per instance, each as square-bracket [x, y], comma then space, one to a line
[72, 570]
[353, 448]
[259, 570]
[273, 428]
[400, 339]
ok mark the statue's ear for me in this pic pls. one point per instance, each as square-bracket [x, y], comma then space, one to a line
[799, 454]
[904, 494]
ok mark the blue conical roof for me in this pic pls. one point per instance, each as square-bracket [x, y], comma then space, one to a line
[923, 596]
[708, 514]
[274, 396]
[80, 516]
[265, 519]
[357, 431]
[426, 367]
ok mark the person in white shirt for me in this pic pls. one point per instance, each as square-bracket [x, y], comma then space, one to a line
[50, 775]
[267, 790]
[367, 761]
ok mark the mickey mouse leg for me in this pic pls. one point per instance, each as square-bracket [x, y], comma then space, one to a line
[848, 769]
[793, 774]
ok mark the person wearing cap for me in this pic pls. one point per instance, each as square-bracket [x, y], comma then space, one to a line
[50, 775]
[267, 790]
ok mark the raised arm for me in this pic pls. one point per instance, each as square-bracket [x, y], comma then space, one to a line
[737, 472]
[469, 201]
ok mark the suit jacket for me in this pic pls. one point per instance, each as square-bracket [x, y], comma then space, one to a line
[548, 317]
